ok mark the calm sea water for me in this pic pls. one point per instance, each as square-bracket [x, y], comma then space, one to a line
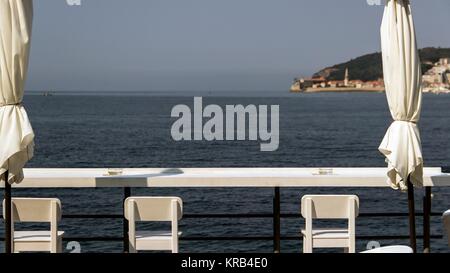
[316, 130]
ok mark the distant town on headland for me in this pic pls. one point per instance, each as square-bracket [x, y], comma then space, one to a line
[365, 74]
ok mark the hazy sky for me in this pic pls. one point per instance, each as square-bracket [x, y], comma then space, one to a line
[206, 44]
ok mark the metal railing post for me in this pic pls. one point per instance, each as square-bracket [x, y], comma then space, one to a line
[426, 220]
[276, 221]
[8, 220]
[412, 217]
[126, 194]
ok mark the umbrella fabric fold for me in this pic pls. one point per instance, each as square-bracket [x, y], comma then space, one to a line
[16, 133]
[403, 80]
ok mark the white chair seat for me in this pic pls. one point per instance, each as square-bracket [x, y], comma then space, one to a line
[328, 233]
[390, 249]
[34, 236]
[154, 235]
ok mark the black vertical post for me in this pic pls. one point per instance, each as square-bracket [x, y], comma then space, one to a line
[412, 217]
[276, 221]
[426, 220]
[126, 194]
[8, 235]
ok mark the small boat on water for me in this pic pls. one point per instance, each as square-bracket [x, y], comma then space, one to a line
[47, 94]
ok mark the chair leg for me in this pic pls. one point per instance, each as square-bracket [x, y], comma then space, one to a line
[59, 247]
[352, 248]
[308, 245]
[175, 248]
[131, 247]
[174, 244]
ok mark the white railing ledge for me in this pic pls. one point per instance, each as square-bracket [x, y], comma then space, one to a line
[217, 177]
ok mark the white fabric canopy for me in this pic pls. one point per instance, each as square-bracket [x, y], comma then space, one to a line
[403, 79]
[16, 134]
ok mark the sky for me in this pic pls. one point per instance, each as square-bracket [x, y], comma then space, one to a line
[206, 45]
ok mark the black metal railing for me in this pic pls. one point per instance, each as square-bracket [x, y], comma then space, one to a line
[276, 217]
[244, 216]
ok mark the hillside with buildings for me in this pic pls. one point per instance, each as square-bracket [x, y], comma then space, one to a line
[369, 67]
[365, 73]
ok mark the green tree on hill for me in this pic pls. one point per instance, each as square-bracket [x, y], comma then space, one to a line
[369, 67]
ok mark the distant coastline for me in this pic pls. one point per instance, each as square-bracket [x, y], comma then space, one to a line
[321, 84]
[365, 74]
[342, 89]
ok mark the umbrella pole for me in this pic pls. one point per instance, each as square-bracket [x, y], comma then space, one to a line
[412, 216]
[7, 215]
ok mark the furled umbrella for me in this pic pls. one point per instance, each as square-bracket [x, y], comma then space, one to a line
[16, 133]
[403, 80]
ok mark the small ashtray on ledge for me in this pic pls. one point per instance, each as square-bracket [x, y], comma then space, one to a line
[114, 171]
[323, 171]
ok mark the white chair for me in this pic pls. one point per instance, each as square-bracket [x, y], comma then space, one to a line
[33, 210]
[329, 207]
[158, 209]
[390, 250]
[446, 219]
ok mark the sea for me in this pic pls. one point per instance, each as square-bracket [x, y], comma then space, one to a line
[133, 129]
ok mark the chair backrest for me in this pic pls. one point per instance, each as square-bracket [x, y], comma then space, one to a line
[154, 208]
[446, 218]
[35, 209]
[330, 206]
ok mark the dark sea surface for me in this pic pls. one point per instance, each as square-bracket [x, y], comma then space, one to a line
[132, 129]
